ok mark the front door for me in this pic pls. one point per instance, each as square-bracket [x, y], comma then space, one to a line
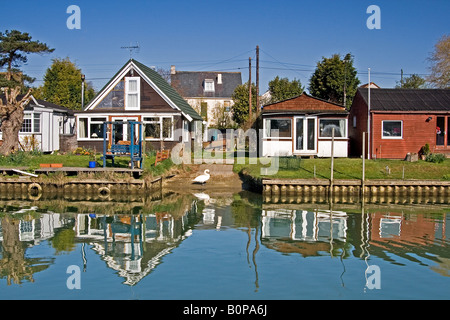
[442, 127]
[122, 129]
[305, 139]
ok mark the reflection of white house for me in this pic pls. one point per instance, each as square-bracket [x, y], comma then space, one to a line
[304, 225]
[132, 245]
[43, 124]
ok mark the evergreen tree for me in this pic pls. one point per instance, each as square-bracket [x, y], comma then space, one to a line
[332, 76]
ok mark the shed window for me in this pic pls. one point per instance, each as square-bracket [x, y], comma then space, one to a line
[392, 129]
[283, 126]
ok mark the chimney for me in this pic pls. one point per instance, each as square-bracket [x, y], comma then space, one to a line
[219, 78]
[172, 70]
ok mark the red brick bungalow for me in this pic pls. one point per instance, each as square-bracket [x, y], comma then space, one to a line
[401, 121]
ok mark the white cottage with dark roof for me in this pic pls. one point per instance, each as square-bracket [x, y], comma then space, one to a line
[208, 92]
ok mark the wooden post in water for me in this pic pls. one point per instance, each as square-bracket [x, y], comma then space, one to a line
[363, 178]
[332, 165]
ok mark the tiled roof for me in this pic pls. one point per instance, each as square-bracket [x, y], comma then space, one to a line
[190, 84]
[304, 103]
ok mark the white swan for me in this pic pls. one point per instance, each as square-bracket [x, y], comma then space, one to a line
[203, 177]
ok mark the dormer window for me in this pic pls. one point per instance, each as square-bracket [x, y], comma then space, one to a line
[208, 85]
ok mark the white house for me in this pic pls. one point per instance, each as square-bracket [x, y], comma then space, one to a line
[43, 125]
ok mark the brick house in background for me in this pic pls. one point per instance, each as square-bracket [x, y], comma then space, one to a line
[401, 121]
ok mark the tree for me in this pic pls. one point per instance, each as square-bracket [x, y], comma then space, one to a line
[62, 85]
[412, 82]
[241, 104]
[440, 60]
[335, 78]
[282, 89]
[14, 46]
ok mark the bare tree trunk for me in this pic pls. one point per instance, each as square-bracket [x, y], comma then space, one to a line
[11, 115]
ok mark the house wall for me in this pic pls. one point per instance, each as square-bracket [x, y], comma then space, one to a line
[215, 106]
[417, 131]
[357, 124]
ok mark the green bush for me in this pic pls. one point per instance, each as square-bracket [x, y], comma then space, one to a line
[435, 158]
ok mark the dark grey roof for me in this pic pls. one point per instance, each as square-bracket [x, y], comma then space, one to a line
[407, 99]
[42, 103]
[191, 83]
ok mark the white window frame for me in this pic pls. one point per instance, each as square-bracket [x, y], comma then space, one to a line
[209, 85]
[88, 124]
[160, 122]
[392, 137]
[32, 116]
[281, 138]
[337, 138]
[134, 92]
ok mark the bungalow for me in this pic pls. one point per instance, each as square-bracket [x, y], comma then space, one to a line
[401, 121]
[303, 126]
[136, 93]
[208, 92]
[45, 126]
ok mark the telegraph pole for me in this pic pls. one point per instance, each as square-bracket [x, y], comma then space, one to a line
[250, 88]
[257, 80]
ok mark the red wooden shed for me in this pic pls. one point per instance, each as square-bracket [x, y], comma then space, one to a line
[400, 121]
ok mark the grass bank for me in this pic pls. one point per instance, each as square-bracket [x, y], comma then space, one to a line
[346, 168]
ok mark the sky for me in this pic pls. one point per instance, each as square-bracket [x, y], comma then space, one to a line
[201, 35]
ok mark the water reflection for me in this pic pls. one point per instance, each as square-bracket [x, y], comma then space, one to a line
[133, 236]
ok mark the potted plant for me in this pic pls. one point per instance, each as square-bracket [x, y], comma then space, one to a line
[424, 151]
[93, 159]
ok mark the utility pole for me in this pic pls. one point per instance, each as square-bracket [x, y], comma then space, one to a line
[401, 79]
[250, 88]
[369, 149]
[257, 81]
[82, 91]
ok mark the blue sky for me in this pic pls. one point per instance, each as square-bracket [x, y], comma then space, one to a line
[200, 35]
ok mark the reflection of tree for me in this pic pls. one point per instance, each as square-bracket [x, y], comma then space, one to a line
[64, 240]
[13, 264]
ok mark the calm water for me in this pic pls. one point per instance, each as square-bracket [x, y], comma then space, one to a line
[225, 247]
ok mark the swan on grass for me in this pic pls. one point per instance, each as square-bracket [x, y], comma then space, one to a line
[203, 177]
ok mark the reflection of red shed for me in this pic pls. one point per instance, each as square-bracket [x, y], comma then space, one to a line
[401, 121]
[302, 126]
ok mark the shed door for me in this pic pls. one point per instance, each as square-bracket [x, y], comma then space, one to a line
[305, 135]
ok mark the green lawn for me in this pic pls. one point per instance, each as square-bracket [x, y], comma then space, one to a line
[289, 168]
[345, 168]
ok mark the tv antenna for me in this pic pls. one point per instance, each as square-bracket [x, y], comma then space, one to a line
[132, 48]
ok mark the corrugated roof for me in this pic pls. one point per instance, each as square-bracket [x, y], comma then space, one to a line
[407, 99]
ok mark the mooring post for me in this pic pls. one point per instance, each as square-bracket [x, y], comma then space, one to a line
[332, 165]
[363, 178]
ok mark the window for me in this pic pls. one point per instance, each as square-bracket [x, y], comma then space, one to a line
[115, 98]
[282, 125]
[392, 129]
[96, 128]
[208, 85]
[152, 128]
[132, 93]
[204, 110]
[91, 128]
[326, 127]
[31, 123]
[167, 126]
[26, 124]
